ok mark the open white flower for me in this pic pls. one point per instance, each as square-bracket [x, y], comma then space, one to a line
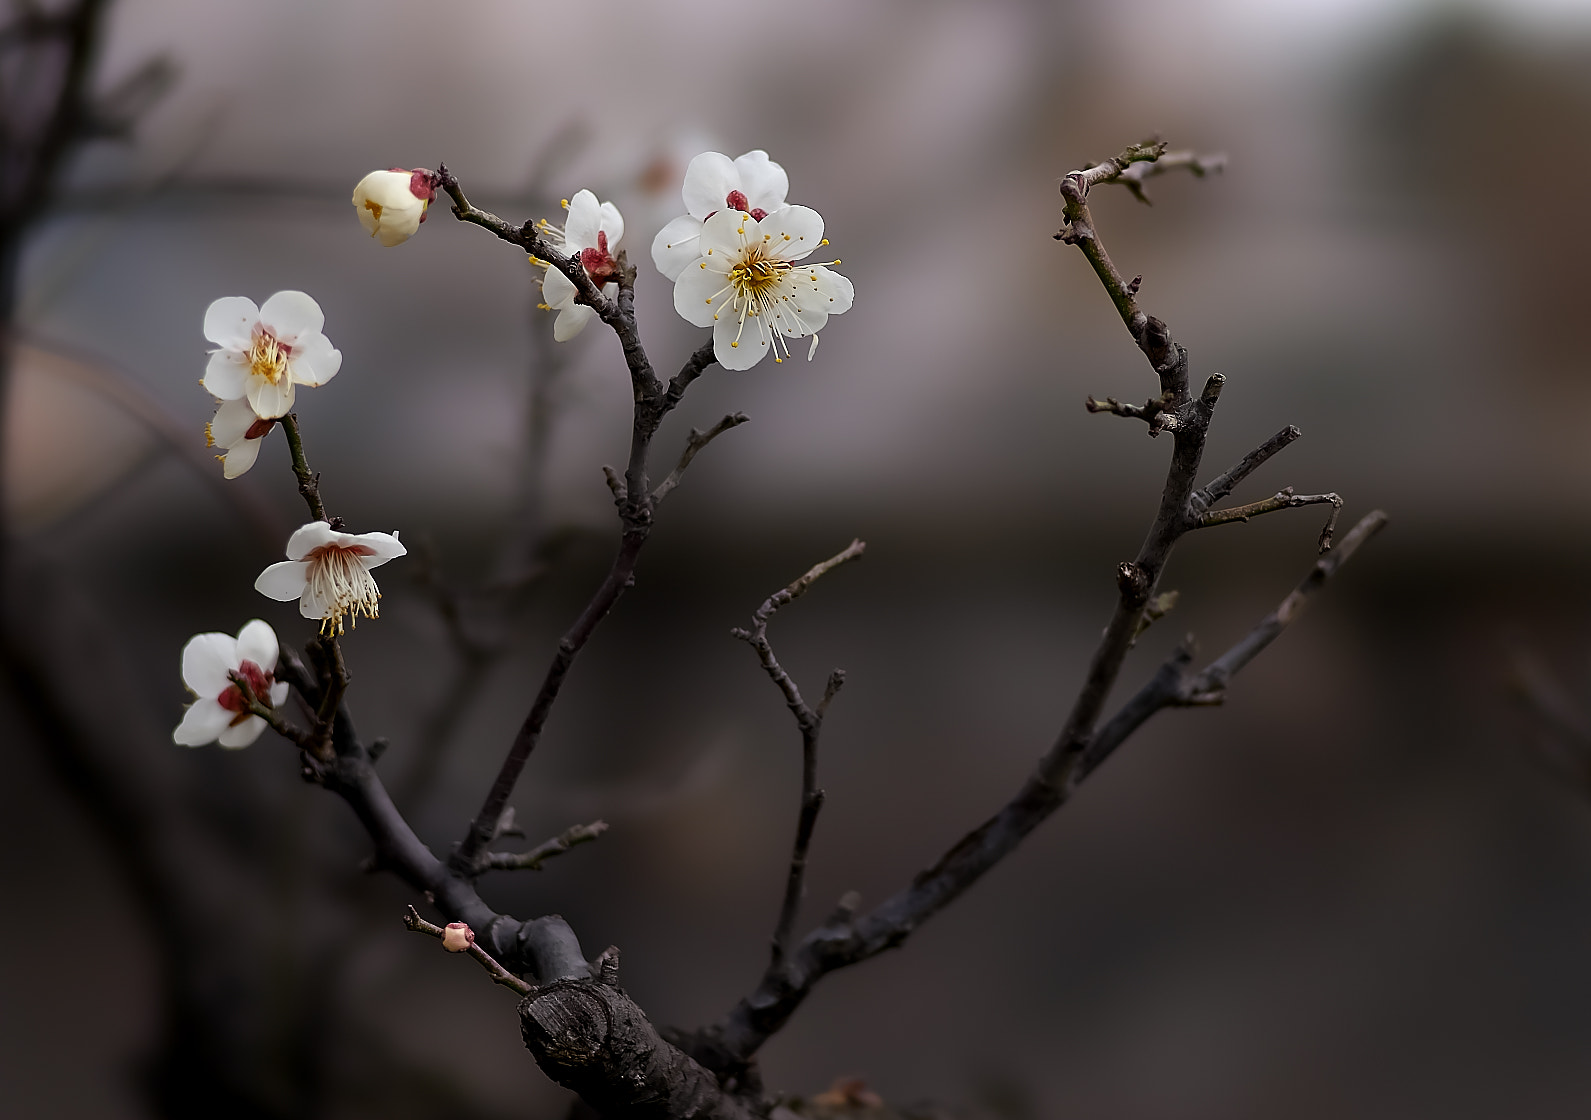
[239, 432]
[751, 183]
[265, 351]
[329, 573]
[220, 713]
[392, 204]
[748, 286]
[590, 234]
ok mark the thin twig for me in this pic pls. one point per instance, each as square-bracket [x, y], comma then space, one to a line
[1224, 484]
[541, 853]
[1196, 165]
[1282, 499]
[499, 974]
[308, 480]
[810, 722]
[1154, 412]
[693, 444]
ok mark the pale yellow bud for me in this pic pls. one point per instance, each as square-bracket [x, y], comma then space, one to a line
[457, 937]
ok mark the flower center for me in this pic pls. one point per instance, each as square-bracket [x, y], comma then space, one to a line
[268, 357]
[342, 585]
[260, 681]
[599, 265]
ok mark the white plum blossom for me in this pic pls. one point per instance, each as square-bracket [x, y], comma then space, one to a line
[220, 713]
[392, 204]
[263, 352]
[328, 572]
[590, 234]
[751, 183]
[748, 286]
[239, 432]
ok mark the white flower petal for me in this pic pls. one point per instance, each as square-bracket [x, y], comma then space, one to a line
[312, 605]
[708, 180]
[795, 231]
[270, 401]
[557, 290]
[724, 235]
[226, 376]
[232, 422]
[240, 458]
[241, 734]
[799, 316]
[612, 224]
[677, 245]
[833, 287]
[229, 322]
[763, 182]
[580, 227]
[739, 348]
[307, 538]
[292, 315]
[382, 546]
[204, 720]
[571, 320]
[278, 694]
[700, 293]
[284, 581]
[257, 643]
[206, 661]
[315, 361]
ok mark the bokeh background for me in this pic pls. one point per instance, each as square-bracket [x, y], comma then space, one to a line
[1353, 890]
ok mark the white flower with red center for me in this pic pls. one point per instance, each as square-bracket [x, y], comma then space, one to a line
[236, 430]
[752, 184]
[748, 285]
[263, 352]
[392, 203]
[328, 572]
[220, 712]
[590, 234]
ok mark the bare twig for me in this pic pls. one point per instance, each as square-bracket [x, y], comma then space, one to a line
[499, 974]
[1155, 412]
[308, 480]
[810, 722]
[1282, 499]
[541, 853]
[694, 443]
[1223, 484]
[1199, 166]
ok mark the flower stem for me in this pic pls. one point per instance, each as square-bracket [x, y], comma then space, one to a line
[308, 480]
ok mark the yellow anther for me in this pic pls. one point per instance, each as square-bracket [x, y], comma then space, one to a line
[822, 243]
[736, 345]
[564, 202]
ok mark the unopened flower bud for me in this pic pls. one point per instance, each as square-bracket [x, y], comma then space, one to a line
[391, 204]
[457, 937]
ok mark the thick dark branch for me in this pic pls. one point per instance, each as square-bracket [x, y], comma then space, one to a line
[541, 853]
[690, 371]
[693, 444]
[1282, 499]
[499, 974]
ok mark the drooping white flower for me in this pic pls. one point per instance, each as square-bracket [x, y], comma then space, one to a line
[220, 713]
[263, 352]
[590, 234]
[751, 183]
[239, 432]
[748, 286]
[392, 203]
[329, 573]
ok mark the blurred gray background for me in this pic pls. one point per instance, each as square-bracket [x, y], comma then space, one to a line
[1350, 891]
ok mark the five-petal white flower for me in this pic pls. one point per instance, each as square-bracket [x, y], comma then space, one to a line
[220, 713]
[329, 573]
[751, 183]
[239, 432]
[263, 352]
[747, 285]
[392, 204]
[590, 234]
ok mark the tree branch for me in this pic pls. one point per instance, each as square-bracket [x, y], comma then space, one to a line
[1282, 499]
[693, 444]
[541, 853]
[1199, 166]
[499, 974]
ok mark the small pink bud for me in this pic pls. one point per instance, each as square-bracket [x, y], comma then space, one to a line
[457, 937]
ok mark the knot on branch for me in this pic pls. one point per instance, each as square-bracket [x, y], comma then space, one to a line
[592, 1038]
[1133, 581]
